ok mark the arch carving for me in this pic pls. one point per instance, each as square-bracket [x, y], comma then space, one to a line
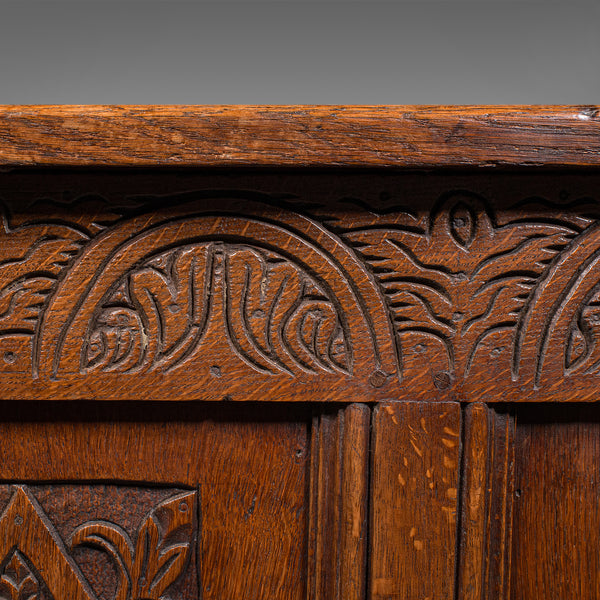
[201, 294]
[559, 333]
[217, 300]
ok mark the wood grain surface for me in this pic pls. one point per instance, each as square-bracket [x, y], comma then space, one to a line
[244, 465]
[414, 500]
[349, 305]
[59, 542]
[299, 286]
[339, 499]
[556, 503]
[487, 491]
[315, 136]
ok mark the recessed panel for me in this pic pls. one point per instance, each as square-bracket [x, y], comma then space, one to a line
[143, 502]
[556, 519]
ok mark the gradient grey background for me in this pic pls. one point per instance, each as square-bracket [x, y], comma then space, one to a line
[291, 52]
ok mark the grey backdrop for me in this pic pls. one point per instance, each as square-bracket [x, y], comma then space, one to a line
[286, 51]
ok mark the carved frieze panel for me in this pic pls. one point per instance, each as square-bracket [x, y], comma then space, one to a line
[97, 542]
[387, 287]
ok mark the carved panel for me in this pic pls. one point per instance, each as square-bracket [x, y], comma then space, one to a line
[275, 316]
[18, 582]
[461, 279]
[66, 542]
[404, 288]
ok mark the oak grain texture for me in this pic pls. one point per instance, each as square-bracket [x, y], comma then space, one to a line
[338, 528]
[487, 491]
[298, 254]
[97, 542]
[313, 136]
[556, 505]
[414, 500]
[337, 285]
[247, 467]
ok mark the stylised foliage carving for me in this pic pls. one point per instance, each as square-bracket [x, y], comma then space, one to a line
[37, 246]
[147, 568]
[277, 318]
[461, 276]
[372, 289]
[32, 255]
[18, 582]
[583, 349]
[558, 334]
[228, 294]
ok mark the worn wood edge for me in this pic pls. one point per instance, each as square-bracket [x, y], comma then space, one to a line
[355, 493]
[338, 504]
[486, 507]
[473, 503]
[499, 571]
[299, 136]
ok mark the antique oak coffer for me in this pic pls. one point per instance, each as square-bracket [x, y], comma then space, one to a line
[284, 353]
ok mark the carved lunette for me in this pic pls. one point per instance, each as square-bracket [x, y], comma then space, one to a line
[223, 289]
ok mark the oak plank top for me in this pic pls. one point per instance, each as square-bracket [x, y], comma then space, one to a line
[300, 136]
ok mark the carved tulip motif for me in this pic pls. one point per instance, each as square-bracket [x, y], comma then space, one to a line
[36, 564]
[148, 566]
[17, 581]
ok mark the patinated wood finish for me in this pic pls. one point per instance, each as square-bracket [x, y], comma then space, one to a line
[370, 286]
[92, 516]
[395, 338]
[416, 463]
[313, 136]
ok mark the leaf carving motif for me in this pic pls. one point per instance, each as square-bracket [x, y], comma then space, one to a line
[275, 317]
[148, 566]
[463, 277]
[582, 350]
[37, 564]
[459, 276]
[32, 255]
[17, 581]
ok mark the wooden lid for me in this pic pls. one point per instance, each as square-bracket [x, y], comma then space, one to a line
[300, 136]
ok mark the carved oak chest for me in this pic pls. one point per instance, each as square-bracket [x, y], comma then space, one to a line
[283, 353]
